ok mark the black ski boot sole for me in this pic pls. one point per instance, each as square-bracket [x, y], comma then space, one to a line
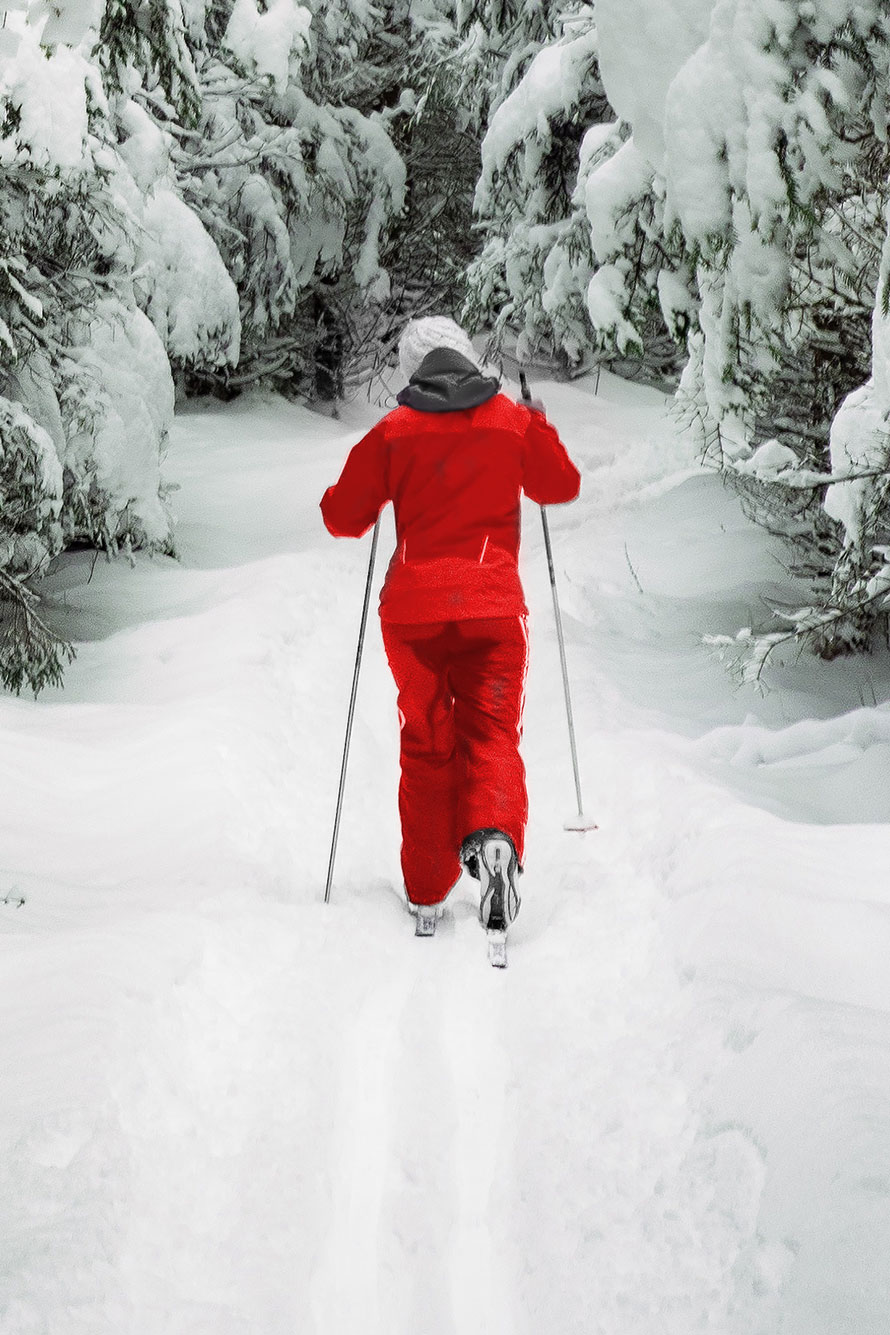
[500, 898]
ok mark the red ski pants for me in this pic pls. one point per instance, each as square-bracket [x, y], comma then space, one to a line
[461, 692]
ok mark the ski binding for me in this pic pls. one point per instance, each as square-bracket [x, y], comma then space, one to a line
[497, 948]
[425, 922]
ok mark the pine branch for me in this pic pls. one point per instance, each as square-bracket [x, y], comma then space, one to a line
[31, 654]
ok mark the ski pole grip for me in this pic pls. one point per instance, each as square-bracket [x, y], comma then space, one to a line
[523, 385]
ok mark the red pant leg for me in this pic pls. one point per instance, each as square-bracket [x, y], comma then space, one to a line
[419, 657]
[461, 693]
[487, 677]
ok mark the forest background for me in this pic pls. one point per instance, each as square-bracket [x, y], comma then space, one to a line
[200, 197]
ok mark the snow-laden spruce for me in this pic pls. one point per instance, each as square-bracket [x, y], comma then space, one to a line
[721, 176]
[763, 122]
[84, 375]
[226, 173]
[540, 91]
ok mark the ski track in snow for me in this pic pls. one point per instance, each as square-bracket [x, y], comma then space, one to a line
[346, 1293]
[423, 1080]
[229, 1109]
[485, 1151]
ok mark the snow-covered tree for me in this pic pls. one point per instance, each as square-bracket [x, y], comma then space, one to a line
[294, 174]
[716, 169]
[203, 188]
[152, 45]
[572, 237]
[535, 266]
[764, 123]
[86, 391]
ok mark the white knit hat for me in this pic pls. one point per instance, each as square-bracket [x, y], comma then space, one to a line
[434, 331]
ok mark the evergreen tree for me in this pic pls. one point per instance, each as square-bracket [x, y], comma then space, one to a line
[764, 123]
[149, 42]
[295, 175]
[210, 190]
[567, 213]
[68, 469]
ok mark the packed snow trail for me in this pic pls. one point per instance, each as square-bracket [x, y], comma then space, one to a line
[228, 1108]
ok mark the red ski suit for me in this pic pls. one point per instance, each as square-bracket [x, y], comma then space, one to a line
[453, 612]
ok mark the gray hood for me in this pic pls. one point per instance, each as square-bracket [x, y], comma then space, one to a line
[446, 382]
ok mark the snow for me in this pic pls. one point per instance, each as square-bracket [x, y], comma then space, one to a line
[102, 423]
[605, 293]
[179, 277]
[550, 86]
[386, 172]
[145, 147]
[265, 40]
[230, 1108]
[609, 189]
[48, 91]
[637, 74]
[70, 21]
[184, 285]
[676, 301]
[769, 459]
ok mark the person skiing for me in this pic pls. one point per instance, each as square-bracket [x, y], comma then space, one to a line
[453, 458]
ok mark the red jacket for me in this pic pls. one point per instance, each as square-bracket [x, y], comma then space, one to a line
[454, 479]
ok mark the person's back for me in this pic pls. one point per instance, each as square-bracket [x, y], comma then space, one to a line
[455, 479]
[454, 458]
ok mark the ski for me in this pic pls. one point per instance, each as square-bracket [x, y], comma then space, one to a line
[497, 948]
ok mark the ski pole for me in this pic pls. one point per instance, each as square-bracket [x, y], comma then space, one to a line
[580, 822]
[349, 717]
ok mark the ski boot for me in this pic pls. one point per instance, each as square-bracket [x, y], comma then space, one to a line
[490, 856]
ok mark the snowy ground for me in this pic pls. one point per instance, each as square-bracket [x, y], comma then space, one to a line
[226, 1109]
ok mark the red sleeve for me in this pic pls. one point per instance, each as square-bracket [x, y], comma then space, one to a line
[549, 477]
[351, 506]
